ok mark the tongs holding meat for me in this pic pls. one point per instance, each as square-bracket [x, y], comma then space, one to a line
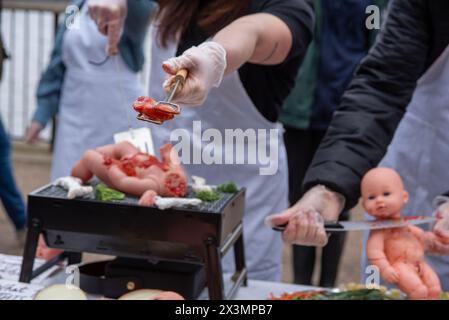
[161, 111]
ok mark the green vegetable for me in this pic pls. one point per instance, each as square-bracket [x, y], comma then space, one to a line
[361, 294]
[207, 196]
[103, 193]
[228, 187]
[444, 296]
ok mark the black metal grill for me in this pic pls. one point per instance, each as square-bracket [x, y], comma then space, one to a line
[217, 206]
[200, 234]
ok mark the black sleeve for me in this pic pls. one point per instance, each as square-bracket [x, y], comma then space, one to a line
[298, 15]
[375, 102]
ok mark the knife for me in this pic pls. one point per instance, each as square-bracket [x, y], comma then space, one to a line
[345, 226]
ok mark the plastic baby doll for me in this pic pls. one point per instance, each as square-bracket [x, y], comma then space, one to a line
[124, 168]
[398, 252]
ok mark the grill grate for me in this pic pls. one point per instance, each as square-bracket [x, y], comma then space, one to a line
[217, 206]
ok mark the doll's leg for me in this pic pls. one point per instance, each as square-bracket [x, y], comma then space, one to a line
[148, 198]
[431, 280]
[410, 282]
[92, 163]
[45, 252]
[107, 150]
[119, 150]
[81, 168]
[124, 149]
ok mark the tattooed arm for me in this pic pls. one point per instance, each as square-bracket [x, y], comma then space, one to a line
[258, 38]
[282, 31]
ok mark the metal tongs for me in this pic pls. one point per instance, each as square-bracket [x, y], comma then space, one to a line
[165, 109]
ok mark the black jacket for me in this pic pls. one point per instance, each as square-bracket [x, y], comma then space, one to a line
[415, 34]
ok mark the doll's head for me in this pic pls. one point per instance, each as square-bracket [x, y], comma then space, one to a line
[383, 193]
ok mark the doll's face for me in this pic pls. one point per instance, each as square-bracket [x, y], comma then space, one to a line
[383, 193]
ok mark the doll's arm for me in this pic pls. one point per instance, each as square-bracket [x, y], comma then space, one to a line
[375, 252]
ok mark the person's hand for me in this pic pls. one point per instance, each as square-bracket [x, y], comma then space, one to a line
[441, 227]
[438, 245]
[390, 275]
[32, 133]
[305, 220]
[109, 15]
[206, 65]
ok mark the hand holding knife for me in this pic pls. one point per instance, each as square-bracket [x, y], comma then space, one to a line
[345, 226]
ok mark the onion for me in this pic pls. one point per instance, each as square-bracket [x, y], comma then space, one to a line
[142, 294]
[61, 292]
[169, 295]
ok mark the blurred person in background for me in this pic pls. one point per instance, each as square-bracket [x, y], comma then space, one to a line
[393, 114]
[9, 194]
[341, 40]
[90, 92]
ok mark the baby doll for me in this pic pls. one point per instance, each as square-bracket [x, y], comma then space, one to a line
[397, 252]
[124, 168]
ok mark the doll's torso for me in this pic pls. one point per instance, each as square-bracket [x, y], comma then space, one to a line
[402, 245]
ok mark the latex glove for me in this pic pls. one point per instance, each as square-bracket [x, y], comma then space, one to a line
[32, 133]
[305, 220]
[206, 65]
[441, 227]
[109, 15]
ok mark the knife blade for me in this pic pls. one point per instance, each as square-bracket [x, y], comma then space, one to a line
[346, 226]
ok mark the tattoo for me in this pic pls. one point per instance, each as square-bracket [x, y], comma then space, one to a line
[272, 52]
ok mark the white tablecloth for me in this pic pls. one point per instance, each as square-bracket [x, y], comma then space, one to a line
[256, 289]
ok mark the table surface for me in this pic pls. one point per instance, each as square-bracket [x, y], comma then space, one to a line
[256, 289]
[261, 290]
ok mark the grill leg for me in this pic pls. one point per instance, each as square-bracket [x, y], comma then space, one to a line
[239, 254]
[29, 253]
[214, 271]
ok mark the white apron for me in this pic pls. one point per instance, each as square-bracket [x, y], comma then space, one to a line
[229, 107]
[92, 107]
[420, 150]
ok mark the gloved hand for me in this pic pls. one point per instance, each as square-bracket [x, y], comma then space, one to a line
[441, 227]
[206, 65]
[306, 218]
[109, 15]
[32, 133]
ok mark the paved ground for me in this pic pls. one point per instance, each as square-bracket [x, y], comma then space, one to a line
[32, 167]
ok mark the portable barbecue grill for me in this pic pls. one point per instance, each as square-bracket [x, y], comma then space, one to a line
[199, 235]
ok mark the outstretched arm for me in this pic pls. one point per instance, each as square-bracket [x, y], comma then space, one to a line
[272, 36]
[257, 38]
[375, 102]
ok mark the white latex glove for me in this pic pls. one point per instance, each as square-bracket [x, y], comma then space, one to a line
[206, 65]
[441, 227]
[305, 220]
[109, 16]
